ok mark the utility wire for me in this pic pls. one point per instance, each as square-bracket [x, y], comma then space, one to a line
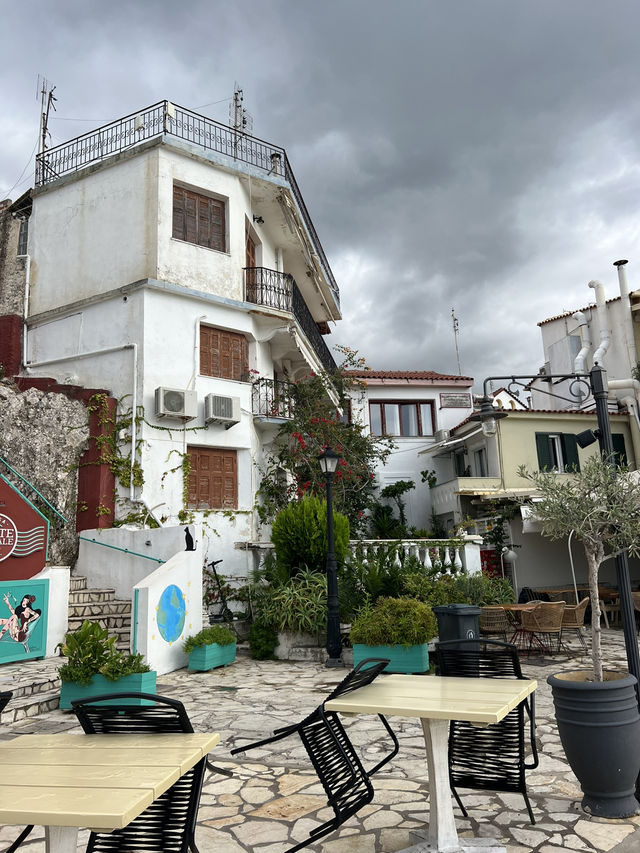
[28, 163]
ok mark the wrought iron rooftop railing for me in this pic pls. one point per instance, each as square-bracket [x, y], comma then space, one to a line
[274, 289]
[273, 398]
[165, 118]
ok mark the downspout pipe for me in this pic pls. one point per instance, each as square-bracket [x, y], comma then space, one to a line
[580, 361]
[605, 334]
[629, 394]
[627, 318]
[27, 287]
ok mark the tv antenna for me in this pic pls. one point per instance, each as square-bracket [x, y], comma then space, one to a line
[239, 119]
[456, 332]
[47, 103]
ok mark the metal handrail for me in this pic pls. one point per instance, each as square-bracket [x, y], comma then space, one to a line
[273, 398]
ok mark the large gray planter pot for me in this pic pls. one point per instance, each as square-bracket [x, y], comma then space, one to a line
[599, 727]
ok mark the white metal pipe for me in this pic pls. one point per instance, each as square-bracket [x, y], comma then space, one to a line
[580, 361]
[627, 321]
[27, 282]
[605, 334]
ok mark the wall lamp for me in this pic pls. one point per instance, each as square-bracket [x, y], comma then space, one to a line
[487, 415]
[588, 437]
[258, 219]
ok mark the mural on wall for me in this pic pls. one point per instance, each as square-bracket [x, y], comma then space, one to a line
[23, 619]
[24, 535]
[171, 613]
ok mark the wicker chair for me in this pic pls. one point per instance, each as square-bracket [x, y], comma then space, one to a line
[490, 757]
[573, 619]
[494, 622]
[344, 779]
[541, 625]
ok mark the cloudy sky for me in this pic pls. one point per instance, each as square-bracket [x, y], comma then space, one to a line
[480, 155]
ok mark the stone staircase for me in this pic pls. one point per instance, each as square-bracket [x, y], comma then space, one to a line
[35, 683]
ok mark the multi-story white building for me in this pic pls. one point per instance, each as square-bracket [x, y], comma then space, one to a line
[172, 261]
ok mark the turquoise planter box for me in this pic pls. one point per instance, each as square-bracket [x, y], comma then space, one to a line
[141, 682]
[203, 658]
[401, 660]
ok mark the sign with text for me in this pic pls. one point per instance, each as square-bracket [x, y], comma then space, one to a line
[24, 535]
[451, 400]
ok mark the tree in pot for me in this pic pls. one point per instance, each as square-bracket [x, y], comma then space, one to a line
[394, 628]
[596, 711]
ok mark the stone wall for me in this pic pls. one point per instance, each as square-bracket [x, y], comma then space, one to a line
[43, 436]
[12, 267]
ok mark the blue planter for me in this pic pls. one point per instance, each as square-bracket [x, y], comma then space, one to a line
[401, 659]
[141, 682]
[203, 658]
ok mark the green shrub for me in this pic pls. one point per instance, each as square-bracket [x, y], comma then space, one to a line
[299, 535]
[263, 640]
[91, 651]
[476, 589]
[208, 636]
[299, 606]
[394, 622]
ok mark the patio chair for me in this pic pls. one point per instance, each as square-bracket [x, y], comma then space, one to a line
[5, 698]
[494, 622]
[573, 619]
[168, 825]
[344, 778]
[541, 625]
[492, 757]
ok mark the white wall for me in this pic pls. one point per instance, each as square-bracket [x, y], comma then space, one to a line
[58, 606]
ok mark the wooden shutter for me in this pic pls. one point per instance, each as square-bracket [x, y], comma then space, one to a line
[545, 457]
[199, 219]
[570, 452]
[223, 354]
[213, 478]
[250, 251]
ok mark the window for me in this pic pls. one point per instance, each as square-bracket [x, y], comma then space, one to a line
[223, 354]
[23, 235]
[405, 419]
[213, 478]
[460, 463]
[199, 219]
[557, 452]
[480, 462]
[619, 449]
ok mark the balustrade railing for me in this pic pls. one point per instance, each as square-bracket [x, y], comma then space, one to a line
[447, 554]
[273, 398]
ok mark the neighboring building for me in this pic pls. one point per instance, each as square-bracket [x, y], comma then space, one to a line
[172, 260]
[417, 409]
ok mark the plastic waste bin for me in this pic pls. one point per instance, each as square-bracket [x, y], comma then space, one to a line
[457, 622]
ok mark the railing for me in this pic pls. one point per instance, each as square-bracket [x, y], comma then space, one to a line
[448, 554]
[167, 118]
[273, 398]
[279, 290]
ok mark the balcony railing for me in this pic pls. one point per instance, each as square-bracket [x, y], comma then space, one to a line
[165, 118]
[273, 398]
[279, 290]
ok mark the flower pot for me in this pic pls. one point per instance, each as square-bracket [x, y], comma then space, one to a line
[139, 682]
[401, 659]
[599, 727]
[203, 658]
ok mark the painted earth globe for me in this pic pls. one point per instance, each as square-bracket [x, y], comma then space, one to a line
[171, 613]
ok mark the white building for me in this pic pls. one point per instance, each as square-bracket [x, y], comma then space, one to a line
[173, 261]
[417, 409]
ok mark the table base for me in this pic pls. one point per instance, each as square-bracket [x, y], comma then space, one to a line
[61, 839]
[464, 845]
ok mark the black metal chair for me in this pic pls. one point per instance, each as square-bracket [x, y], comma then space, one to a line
[168, 825]
[490, 758]
[5, 698]
[344, 778]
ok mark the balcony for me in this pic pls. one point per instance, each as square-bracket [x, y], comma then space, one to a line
[272, 398]
[278, 290]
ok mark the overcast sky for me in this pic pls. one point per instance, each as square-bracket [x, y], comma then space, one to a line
[480, 155]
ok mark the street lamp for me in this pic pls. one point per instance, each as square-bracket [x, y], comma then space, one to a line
[596, 382]
[328, 460]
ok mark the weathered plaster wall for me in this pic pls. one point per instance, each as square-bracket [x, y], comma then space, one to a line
[12, 268]
[42, 436]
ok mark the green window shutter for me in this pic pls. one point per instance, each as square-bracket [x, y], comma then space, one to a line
[619, 448]
[545, 459]
[570, 452]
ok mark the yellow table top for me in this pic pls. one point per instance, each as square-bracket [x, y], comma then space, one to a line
[476, 700]
[100, 781]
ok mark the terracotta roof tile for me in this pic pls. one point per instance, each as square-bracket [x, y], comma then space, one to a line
[406, 374]
[570, 313]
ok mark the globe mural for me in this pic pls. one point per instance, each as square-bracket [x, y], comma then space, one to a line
[171, 613]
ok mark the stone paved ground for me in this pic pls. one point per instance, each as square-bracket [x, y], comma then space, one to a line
[272, 800]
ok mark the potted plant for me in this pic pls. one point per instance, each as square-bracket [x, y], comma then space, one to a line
[213, 646]
[596, 710]
[95, 667]
[297, 611]
[394, 628]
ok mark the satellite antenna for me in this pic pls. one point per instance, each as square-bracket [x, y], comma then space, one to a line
[239, 119]
[47, 102]
[455, 337]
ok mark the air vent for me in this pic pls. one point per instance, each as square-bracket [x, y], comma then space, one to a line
[221, 410]
[175, 403]
[441, 435]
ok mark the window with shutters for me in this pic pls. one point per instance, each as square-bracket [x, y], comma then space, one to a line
[213, 478]
[199, 219]
[223, 354]
[557, 452]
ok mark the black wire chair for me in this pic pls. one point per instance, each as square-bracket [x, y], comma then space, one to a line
[5, 698]
[168, 825]
[343, 777]
[490, 758]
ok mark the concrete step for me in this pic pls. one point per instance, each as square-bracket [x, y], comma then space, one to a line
[89, 596]
[77, 582]
[35, 686]
[99, 610]
[22, 707]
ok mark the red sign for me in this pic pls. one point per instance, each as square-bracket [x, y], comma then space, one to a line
[24, 534]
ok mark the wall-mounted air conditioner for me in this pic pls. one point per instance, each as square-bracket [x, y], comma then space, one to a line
[221, 410]
[441, 435]
[175, 403]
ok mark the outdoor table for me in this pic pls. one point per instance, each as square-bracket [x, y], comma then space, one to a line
[64, 782]
[436, 700]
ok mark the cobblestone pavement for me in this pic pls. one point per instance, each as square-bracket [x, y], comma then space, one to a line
[273, 800]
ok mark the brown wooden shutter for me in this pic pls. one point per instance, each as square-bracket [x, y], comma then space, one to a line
[178, 213]
[213, 479]
[250, 252]
[222, 354]
[199, 219]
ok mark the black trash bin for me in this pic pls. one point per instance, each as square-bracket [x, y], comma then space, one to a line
[457, 621]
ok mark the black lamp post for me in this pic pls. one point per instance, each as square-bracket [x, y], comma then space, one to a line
[596, 382]
[328, 460]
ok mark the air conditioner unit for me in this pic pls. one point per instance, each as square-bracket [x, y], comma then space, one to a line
[221, 410]
[174, 403]
[441, 435]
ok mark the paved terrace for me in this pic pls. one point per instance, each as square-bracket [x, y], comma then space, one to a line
[273, 799]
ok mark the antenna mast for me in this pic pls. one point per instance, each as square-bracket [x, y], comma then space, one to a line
[454, 320]
[47, 102]
[239, 119]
